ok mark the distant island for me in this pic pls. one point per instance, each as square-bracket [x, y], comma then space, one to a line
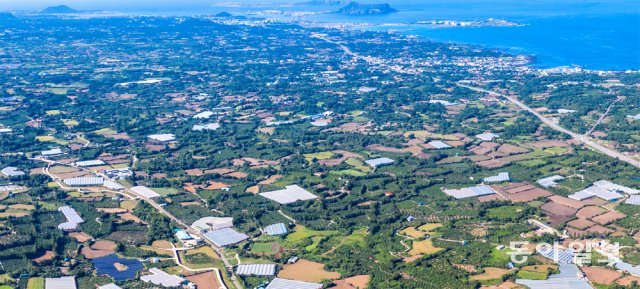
[355, 8]
[323, 2]
[491, 22]
[223, 15]
[61, 9]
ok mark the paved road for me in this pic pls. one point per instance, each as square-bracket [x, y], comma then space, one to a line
[158, 208]
[587, 140]
[188, 228]
[603, 116]
[374, 61]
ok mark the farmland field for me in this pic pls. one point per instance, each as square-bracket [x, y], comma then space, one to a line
[318, 156]
[490, 273]
[35, 283]
[308, 271]
[424, 247]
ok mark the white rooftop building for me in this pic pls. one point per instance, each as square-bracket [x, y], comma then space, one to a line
[60, 283]
[145, 192]
[162, 278]
[615, 187]
[203, 115]
[73, 219]
[256, 269]
[166, 137]
[487, 136]
[112, 185]
[11, 172]
[550, 182]
[83, 181]
[209, 126]
[51, 152]
[605, 190]
[439, 144]
[379, 162]
[212, 223]
[110, 286]
[289, 195]
[470, 192]
[90, 163]
[500, 177]
[279, 283]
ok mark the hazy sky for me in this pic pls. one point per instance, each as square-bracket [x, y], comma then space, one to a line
[100, 4]
[152, 5]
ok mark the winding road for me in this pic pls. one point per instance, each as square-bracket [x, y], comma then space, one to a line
[586, 140]
[129, 193]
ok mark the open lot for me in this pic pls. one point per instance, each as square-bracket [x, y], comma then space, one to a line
[308, 271]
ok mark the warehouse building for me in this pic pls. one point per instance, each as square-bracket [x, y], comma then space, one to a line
[470, 192]
[113, 185]
[375, 163]
[212, 223]
[73, 219]
[145, 192]
[11, 172]
[276, 229]
[279, 283]
[439, 144]
[488, 136]
[91, 163]
[51, 152]
[165, 137]
[499, 178]
[289, 195]
[550, 182]
[225, 237]
[159, 277]
[68, 282]
[83, 181]
[110, 286]
[256, 269]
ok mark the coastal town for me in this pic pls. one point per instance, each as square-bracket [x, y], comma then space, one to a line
[229, 152]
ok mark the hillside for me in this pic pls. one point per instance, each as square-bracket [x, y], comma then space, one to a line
[355, 8]
[61, 9]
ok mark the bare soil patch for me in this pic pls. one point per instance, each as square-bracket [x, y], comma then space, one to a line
[48, 255]
[490, 273]
[80, 237]
[601, 275]
[206, 280]
[355, 282]
[308, 271]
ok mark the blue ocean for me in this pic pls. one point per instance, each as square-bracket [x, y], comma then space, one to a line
[598, 35]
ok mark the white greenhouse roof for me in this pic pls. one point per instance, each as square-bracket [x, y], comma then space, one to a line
[500, 177]
[439, 144]
[276, 229]
[60, 283]
[84, 181]
[90, 163]
[279, 283]
[145, 192]
[160, 277]
[470, 192]
[550, 182]
[163, 137]
[225, 237]
[289, 195]
[256, 269]
[212, 223]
